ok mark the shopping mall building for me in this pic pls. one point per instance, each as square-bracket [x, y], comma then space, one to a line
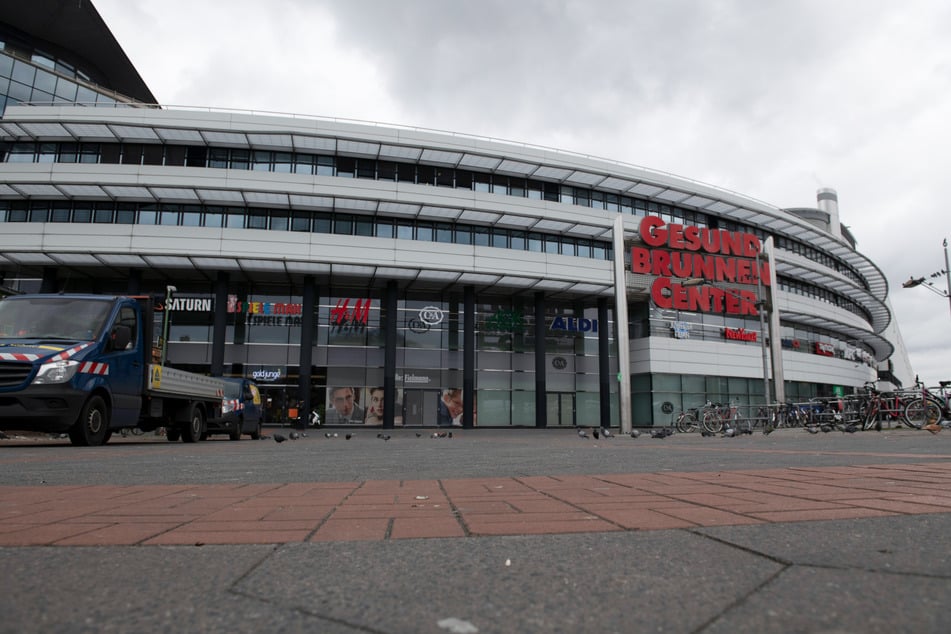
[531, 285]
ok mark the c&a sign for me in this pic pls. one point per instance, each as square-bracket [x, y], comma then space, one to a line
[676, 252]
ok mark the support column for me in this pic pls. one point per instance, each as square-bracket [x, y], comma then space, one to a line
[305, 359]
[541, 390]
[219, 327]
[390, 309]
[49, 284]
[468, 358]
[134, 282]
[604, 363]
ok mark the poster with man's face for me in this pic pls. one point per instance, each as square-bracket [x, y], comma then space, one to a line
[343, 406]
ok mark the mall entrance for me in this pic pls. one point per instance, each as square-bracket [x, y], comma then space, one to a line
[560, 409]
[421, 407]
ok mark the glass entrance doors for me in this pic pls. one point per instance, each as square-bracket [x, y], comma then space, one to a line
[421, 407]
[561, 409]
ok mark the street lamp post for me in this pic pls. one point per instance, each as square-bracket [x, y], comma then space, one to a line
[920, 281]
[166, 318]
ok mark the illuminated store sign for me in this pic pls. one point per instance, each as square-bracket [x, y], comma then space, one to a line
[267, 313]
[266, 375]
[825, 349]
[191, 304]
[343, 317]
[674, 252]
[574, 324]
[739, 334]
[504, 321]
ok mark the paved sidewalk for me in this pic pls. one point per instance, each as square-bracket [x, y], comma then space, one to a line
[409, 509]
[492, 531]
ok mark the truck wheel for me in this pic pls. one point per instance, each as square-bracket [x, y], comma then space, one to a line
[172, 434]
[195, 427]
[256, 434]
[92, 426]
[235, 432]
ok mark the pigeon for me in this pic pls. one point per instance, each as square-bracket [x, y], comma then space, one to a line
[635, 433]
[706, 434]
[606, 432]
[294, 435]
[594, 432]
[348, 436]
[768, 430]
[418, 435]
[825, 428]
[729, 432]
[658, 433]
[812, 429]
[279, 437]
[582, 433]
[328, 434]
[385, 437]
[934, 428]
[850, 428]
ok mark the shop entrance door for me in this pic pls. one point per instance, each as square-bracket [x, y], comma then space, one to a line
[561, 409]
[420, 407]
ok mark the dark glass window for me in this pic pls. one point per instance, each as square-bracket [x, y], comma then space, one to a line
[280, 221]
[366, 168]
[261, 161]
[463, 179]
[386, 170]
[131, 154]
[424, 231]
[444, 177]
[384, 229]
[152, 155]
[480, 236]
[256, 219]
[343, 224]
[300, 221]
[195, 156]
[346, 166]
[218, 157]
[443, 232]
[323, 223]
[240, 159]
[363, 226]
[425, 174]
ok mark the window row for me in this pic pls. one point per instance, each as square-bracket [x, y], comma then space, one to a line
[349, 167]
[304, 221]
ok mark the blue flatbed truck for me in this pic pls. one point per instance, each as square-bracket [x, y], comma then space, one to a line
[86, 365]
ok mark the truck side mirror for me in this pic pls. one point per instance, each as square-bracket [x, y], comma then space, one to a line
[120, 338]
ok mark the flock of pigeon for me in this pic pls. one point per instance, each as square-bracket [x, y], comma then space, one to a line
[294, 435]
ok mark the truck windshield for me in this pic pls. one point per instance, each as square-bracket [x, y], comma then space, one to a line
[68, 318]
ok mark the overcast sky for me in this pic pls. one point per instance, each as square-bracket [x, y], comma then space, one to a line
[769, 99]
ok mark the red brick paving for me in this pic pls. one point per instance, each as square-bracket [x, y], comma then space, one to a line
[380, 510]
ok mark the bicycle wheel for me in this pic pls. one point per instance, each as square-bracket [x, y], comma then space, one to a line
[712, 422]
[917, 414]
[687, 422]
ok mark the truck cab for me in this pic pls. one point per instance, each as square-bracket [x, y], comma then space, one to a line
[242, 411]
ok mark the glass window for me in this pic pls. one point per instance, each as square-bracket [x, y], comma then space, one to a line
[261, 161]
[47, 153]
[404, 230]
[480, 182]
[191, 218]
[40, 214]
[568, 247]
[425, 174]
[363, 226]
[256, 219]
[346, 166]
[366, 168]
[103, 215]
[535, 241]
[304, 164]
[82, 213]
[551, 244]
[443, 232]
[282, 162]
[60, 213]
[463, 235]
[322, 223]
[325, 166]
[444, 177]
[218, 157]
[518, 240]
[424, 231]
[45, 81]
[213, 218]
[66, 90]
[300, 221]
[500, 238]
[343, 224]
[23, 72]
[240, 159]
[169, 217]
[480, 236]
[234, 220]
[386, 170]
[500, 184]
[279, 221]
[384, 229]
